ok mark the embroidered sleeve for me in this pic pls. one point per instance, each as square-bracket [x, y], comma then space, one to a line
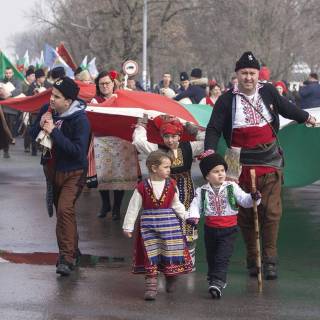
[134, 207]
[243, 199]
[195, 207]
[198, 145]
[178, 207]
[140, 141]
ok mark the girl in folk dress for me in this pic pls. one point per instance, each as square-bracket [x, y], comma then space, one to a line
[160, 244]
[182, 154]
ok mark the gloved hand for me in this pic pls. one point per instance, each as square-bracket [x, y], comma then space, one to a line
[192, 221]
[256, 195]
[191, 129]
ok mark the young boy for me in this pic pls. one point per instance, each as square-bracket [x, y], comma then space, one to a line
[218, 200]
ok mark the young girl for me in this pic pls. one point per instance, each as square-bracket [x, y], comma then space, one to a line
[182, 153]
[218, 200]
[160, 245]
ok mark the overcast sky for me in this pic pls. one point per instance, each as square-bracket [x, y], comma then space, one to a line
[13, 20]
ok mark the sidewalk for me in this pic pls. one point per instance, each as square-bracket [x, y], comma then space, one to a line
[104, 288]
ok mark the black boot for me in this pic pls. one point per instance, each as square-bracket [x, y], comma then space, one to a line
[118, 196]
[270, 271]
[252, 268]
[104, 194]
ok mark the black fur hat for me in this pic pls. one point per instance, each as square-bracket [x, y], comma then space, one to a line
[247, 60]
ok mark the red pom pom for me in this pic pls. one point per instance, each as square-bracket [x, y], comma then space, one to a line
[113, 74]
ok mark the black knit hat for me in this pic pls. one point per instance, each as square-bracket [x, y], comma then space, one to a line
[247, 60]
[196, 73]
[58, 72]
[211, 161]
[184, 76]
[67, 87]
[39, 73]
[29, 72]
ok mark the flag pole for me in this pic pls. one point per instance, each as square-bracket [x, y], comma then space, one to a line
[256, 229]
[144, 48]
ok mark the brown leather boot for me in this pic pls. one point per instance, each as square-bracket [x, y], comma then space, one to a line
[151, 288]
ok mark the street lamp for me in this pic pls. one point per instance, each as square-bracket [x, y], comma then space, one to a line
[144, 48]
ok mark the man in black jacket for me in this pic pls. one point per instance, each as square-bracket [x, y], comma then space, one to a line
[248, 117]
[197, 89]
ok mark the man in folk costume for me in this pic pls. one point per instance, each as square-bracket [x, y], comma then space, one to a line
[66, 122]
[248, 118]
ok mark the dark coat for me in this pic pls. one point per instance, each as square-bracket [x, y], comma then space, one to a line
[310, 95]
[70, 142]
[222, 114]
[195, 92]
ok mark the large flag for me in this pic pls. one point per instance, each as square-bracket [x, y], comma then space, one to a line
[92, 68]
[66, 56]
[52, 59]
[5, 63]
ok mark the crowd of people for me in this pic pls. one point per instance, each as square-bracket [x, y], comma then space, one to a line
[165, 208]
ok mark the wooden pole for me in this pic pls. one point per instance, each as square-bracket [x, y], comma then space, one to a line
[256, 229]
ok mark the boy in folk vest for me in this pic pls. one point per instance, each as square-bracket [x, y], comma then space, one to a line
[218, 200]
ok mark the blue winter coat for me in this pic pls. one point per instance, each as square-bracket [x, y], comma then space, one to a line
[310, 95]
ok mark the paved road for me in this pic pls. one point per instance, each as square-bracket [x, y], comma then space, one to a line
[103, 288]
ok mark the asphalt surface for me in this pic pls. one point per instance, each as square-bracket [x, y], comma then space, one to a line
[103, 287]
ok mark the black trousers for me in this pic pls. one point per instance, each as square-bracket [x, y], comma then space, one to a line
[219, 244]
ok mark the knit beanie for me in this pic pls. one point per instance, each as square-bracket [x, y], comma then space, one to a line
[39, 73]
[209, 162]
[196, 73]
[67, 87]
[184, 76]
[247, 60]
[29, 72]
[58, 72]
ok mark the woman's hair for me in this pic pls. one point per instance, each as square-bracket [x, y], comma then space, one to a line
[213, 85]
[155, 159]
[103, 74]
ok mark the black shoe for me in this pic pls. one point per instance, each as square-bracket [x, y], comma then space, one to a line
[253, 272]
[116, 214]
[27, 150]
[103, 212]
[77, 257]
[215, 288]
[270, 271]
[6, 155]
[252, 268]
[64, 268]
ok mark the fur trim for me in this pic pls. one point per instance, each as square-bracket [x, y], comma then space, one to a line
[199, 82]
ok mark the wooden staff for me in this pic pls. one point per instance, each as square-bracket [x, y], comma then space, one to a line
[256, 229]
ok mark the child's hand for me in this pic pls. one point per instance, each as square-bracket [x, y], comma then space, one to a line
[127, 234]
[192, 221]
[256, 195]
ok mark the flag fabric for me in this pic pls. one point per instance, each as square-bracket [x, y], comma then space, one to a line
[19, 64]
[84, 63]
[52, 59]
[40, 61]
[26, 60]
[5, 63]
[66, 56]
[92, 68]
[34, 103]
